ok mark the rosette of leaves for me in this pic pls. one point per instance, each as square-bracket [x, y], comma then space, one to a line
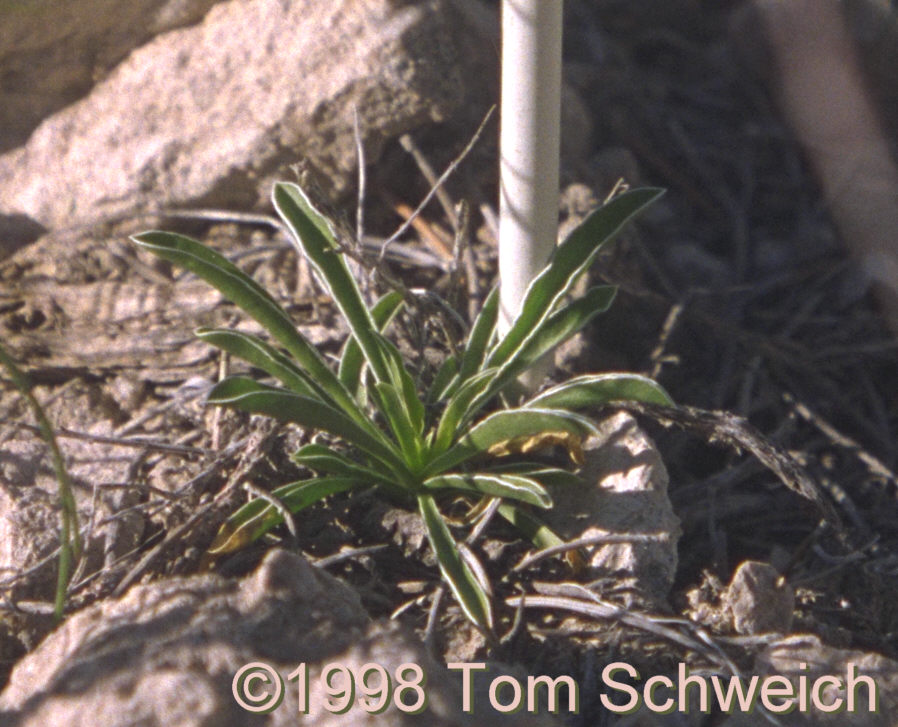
[418, 446]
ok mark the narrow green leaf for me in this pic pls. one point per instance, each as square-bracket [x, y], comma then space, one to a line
[257, 517]
[540, 534]
[481, 334]
[593, 390]
[507, 425]
[561, 325]
[256, 352]
[394, 408]
[570, 259]
[70, 545]
[553, 331]
[545, 475]
[474, 353]
[459, 408]
[404, 384]
[509, 486]
[352, 361]
[325, 460]
[250, 396]
[315, 237]
[248, 295]
[443, 380]
[464, 584]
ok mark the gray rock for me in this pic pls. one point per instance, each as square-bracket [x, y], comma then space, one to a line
[629, 499]
[52, 53]
[754, 602]
[206, 114]
[167, 653]
[757, 601]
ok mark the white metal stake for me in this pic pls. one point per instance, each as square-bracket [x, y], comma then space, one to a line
[530, 132]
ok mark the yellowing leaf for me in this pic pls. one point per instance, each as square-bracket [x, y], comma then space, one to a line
[230, 538]
[572, 443]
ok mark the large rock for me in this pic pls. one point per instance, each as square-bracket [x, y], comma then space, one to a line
[167, 654]
[52, 53]
[627, 502]
[204, 114]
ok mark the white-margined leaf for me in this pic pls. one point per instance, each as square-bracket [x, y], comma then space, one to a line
[540, 534]
[570, 259]
[552, 332]
[507, 486]
[325, 461]
[315, 238]
[257, 517]
[594, 390]
[250, 396]
[445, 377]
[482, 332]
[396, 412]
[462, 581]
[256, 352]
[352, 360]
[403, 382]
[546, 475]
[458, 408]
[248, 295]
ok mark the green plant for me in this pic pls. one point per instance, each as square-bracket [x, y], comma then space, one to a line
[416, 446]
[70, 545]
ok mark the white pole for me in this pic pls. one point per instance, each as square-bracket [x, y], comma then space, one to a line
[529, 149]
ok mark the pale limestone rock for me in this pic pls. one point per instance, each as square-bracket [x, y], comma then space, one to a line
[52, 53]
[207, 114]
[166, 654]
[626, 495]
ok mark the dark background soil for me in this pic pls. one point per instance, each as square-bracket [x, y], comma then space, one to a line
[769, 317]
